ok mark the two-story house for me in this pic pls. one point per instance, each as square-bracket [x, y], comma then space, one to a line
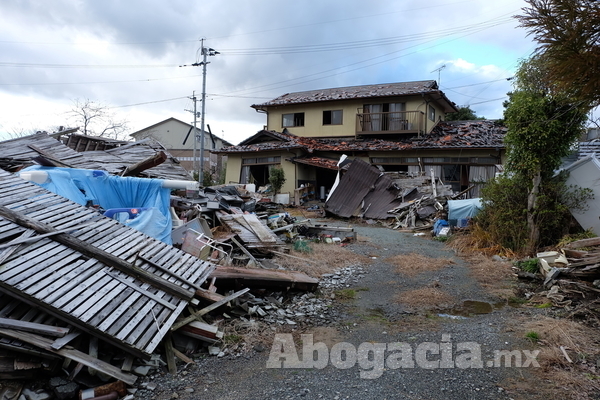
[178, 137]
[397, 127]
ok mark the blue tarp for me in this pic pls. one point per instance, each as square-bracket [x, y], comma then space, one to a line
[83, 185]
[462, 209]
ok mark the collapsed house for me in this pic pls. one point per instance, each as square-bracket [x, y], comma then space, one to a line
[397, 127]
[79, 288]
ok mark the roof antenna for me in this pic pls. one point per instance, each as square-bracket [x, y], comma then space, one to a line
[439, 71]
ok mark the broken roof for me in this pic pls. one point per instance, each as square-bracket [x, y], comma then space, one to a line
[356, 92]
[102, 277]
[365, 191]
[40, 148]
[451, 134]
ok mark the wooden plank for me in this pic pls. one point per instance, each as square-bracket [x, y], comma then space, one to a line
[167, 271]
[48, 159]
[73, 354]
[65, 340]
[208, 309]
[170, 355]
[39, 237]
[145, 164]
[595, 241]
[142, 291]
[6, 254]
[92, 251]
[182, 356]
[33, 327]
[265, 278]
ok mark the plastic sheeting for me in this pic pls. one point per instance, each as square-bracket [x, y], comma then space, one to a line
[462, 209]
[83, 186]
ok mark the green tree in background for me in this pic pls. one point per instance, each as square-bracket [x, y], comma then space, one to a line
[568, 34]
[543, 123]
[464, 114]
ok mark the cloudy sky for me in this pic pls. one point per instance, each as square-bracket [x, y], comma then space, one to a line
[126, 55]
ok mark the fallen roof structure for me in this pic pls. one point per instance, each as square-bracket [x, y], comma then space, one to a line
[90, 271]
[365, 191]
[42, 149]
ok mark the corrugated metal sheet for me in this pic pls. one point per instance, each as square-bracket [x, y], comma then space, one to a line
[357, 182]
[364, 191]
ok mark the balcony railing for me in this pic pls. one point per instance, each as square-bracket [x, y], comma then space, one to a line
[390, 122]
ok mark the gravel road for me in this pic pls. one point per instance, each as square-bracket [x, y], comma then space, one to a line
[433, 339]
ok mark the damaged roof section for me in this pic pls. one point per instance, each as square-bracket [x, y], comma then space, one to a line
[365, 191]
[354, 92]
[44, 150]
[90, 271]
[451, 134]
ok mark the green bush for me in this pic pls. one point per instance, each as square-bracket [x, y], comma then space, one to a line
[504, 212]
[276, 179]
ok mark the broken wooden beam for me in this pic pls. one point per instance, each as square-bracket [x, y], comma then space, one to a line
[97, 253]
[595, 241]
[208, 309]
[265, 278]
[48, 160]
[145, 164]
[70, 353]
[209, 296]
[47, 330]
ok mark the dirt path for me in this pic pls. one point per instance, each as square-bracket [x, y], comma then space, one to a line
[408, 300]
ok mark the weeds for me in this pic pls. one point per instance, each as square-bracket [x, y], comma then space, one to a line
[345, 294]
[530, 265]
[533, 336]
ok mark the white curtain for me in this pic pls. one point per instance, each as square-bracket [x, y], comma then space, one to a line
[397, 121]
[245, 175]
[374, 117]
[478, 175]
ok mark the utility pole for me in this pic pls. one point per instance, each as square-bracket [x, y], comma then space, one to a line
[195, 136]
[205, 53]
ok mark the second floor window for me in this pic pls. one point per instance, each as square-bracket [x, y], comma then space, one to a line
[295, 119]
[431, 113]
[333, 117]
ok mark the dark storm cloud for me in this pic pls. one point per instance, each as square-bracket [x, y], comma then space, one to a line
[154, 33]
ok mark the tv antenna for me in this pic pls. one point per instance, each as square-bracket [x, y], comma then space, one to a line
[439, 71]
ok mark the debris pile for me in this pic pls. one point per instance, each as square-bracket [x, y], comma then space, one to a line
[571, 278]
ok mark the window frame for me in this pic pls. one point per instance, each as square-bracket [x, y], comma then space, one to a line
[331, 117]
[431, 113]
[297, 120]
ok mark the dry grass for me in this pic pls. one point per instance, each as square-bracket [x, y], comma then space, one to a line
[243, 335]
[424, 298]
[413, 264]
[323, 259]
[478, 240]
[496, 277]
[574, 379]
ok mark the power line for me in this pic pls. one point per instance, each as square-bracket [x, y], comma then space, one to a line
[33, 65]
[97, 82]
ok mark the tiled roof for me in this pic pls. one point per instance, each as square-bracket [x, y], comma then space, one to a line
[463, 134]
[455, 134]
[320, 162]
[354, 92]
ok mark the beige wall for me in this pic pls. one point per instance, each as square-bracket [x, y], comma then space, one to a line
[172, 134]
[313, 115]
[234, 168]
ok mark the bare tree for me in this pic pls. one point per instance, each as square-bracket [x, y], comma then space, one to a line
[96, 119]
